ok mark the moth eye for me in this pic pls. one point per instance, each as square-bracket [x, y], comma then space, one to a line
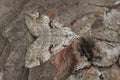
[66, 35]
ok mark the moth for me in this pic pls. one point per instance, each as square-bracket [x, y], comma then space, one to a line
[51, 36]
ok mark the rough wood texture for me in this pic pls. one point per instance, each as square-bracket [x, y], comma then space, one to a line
[97, 51]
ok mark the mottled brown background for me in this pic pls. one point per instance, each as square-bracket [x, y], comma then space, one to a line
[15, 37]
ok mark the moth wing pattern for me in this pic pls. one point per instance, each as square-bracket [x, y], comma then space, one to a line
[37, 24]
[37, 53]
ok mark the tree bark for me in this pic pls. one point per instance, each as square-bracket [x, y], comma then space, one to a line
[98, 45]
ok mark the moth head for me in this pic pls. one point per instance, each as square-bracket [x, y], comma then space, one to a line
[69, 35]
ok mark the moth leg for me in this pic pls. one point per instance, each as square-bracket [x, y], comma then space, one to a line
[56, 24]
[54, 49]
[57, 48]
